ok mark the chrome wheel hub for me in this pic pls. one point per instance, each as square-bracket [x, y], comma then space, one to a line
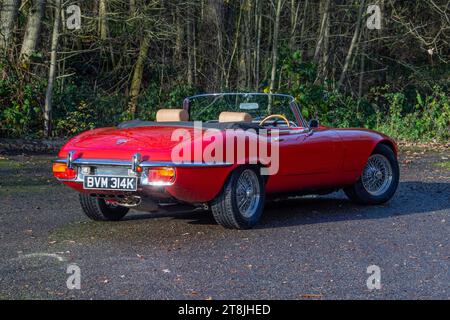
[248, 193]
[377, 175]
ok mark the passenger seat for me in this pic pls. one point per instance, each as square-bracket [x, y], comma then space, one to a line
[226, 117]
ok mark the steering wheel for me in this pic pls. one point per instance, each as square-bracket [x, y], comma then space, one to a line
[279, 116]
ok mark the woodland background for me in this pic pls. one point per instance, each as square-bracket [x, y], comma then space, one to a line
[132, 57]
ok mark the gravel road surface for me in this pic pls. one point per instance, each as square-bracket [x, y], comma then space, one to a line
[304, 248]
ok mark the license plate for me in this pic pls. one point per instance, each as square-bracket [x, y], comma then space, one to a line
[110, 183]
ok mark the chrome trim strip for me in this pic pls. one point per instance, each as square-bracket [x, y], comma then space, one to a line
[82, 162]
[144, 164]
[70, 159]
[147, 164]
[135, 162]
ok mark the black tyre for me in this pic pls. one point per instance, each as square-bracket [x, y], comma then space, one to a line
[241, 202]
[98, 210]
[379, 179]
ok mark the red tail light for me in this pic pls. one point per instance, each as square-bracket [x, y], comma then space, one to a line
[164, 176]
[61, 171]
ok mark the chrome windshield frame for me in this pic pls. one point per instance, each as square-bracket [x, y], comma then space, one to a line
[292, 102]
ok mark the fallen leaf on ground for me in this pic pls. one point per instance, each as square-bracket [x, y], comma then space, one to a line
[311, 296]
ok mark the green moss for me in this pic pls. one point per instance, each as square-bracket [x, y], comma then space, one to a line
[4, 297]
[39, 188]
[443, 164]
[84, 230]
[11, 164]
[25, 175]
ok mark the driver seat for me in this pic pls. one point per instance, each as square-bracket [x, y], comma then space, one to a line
[226, 117]
[172, 115]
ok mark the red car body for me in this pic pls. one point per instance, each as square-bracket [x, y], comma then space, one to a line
[311, 160]
[327, 159]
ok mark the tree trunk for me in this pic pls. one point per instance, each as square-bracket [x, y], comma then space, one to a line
[102, 22]
[194, 52]
[302, 30]
[325, 40]
[179, 39]
[258, 44]
[326, 48]
[7, 18]
[32, 31]
[323, 25]
[353, 45]
[132, 7]
[52, 71]
[137, 75]
[276, 30]
[189, 45]
[248, 48]
[295, 7]
[235, 47]
[215, 11]
[362, 68]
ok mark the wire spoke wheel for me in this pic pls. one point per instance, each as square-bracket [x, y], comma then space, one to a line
[377, 175]
[248, 193]
[241, 202]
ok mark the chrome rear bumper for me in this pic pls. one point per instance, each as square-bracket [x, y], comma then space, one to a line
[143, 164]
[126, 168]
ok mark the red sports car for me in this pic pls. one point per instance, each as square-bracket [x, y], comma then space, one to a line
[225, 152]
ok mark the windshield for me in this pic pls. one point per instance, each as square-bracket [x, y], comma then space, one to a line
[208, 107]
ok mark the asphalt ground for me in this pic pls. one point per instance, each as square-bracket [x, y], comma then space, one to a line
[304, 248]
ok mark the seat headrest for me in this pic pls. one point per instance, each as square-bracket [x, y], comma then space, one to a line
[169, 115]
[235, 117]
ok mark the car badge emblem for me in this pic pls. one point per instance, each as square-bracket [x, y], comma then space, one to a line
[121, 141]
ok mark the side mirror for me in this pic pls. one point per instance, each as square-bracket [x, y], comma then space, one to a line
[313, 123]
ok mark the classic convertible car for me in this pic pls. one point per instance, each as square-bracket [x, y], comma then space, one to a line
[185, 158]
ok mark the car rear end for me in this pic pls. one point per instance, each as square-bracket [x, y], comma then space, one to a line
[133, 167]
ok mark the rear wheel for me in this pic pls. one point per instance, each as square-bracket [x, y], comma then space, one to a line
[98, 210]
[379, 179]
[241, 202]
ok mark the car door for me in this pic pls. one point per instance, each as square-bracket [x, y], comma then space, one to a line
[309, 159]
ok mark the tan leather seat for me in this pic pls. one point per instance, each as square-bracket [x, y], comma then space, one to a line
[172, 115]
[235, 117]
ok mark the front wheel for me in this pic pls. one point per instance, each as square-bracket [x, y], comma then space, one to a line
[379, 179]
[98, 210]
[241, 202]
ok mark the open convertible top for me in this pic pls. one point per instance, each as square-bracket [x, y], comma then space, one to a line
[190, 124]
[224, 111]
